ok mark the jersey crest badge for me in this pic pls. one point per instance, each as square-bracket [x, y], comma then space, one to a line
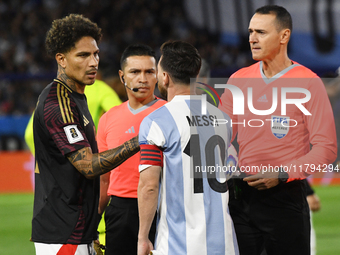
[280, 126]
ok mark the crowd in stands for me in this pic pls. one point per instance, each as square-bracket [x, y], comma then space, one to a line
[25, 67]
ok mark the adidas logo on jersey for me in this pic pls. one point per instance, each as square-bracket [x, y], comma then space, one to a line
[130, 130]
[262, 99]
[86, 121]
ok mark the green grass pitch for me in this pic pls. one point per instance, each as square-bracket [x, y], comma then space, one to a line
[16, 214]
[327, 220]
[15, 224]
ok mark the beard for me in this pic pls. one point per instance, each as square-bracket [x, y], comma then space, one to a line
[163, 91]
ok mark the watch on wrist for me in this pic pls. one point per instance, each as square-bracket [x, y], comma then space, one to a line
[283, 175]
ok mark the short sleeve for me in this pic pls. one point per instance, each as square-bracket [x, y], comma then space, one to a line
[150, 134]
[64, 126]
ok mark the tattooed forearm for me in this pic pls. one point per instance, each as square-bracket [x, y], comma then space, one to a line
[92, 165]
[107, 160]
[82, 160]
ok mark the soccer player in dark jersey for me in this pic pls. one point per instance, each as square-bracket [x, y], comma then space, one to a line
[68, 165]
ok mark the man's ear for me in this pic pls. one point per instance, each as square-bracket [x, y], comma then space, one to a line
[61, 59]
[121, 76]
[166, 79]
[285, 36]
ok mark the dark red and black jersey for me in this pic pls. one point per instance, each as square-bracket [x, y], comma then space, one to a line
[65, 202]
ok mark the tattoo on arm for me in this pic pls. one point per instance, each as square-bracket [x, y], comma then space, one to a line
[92, 165]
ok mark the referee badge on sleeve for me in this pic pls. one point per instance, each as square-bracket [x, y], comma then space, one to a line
[73, 134]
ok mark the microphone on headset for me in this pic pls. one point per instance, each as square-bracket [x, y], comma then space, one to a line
[133, 89]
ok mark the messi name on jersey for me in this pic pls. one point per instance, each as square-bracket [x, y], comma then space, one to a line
[201, 120]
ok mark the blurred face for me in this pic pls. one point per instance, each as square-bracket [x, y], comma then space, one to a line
[81, 62]
[264, 39]
[160, 75]
[140, 72]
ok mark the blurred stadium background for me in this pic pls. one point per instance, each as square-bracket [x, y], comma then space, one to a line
[218, 28]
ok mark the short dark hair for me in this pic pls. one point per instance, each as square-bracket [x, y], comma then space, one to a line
[136, 50]
[283, 17]
[66, 32]
[180, 60]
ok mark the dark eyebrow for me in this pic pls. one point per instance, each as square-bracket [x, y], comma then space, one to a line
[87, 52]
[83, 52]
[134, 69]
[256, 30]
[137, 69]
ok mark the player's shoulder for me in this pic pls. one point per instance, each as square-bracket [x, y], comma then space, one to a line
[56, 105]
[251, 71]
[160, 109]
[157, 122]
[56, 93]
[120, 109]
[168, 110]
[159, 113]
[160, 101]
[300, 71]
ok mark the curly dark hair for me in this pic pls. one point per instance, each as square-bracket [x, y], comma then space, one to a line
[66, 32]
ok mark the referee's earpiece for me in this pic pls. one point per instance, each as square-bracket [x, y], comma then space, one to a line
[123, 80]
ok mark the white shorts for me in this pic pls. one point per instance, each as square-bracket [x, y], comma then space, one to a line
[63, 249]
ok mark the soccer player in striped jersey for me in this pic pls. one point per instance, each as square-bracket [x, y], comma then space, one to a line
[272, 211]
[68, 165]
[178, 144]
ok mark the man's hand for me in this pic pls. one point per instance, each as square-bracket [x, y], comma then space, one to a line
[144, 247]
[263, 181]
[314, 202]
[98, 247]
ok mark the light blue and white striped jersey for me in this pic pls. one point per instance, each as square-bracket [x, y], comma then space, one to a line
[193, 215]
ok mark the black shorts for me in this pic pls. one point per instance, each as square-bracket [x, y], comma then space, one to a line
[276, 219]
[122, 224]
